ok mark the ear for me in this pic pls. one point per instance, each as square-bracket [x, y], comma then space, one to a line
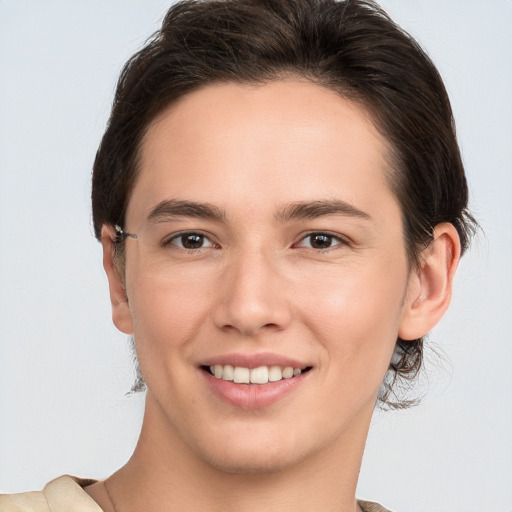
[121, 314]
[430, 285]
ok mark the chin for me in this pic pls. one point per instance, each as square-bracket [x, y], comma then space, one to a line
[251, 455]
[248, 464]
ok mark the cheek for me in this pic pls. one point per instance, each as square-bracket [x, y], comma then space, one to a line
[355, 316]
[166, 315]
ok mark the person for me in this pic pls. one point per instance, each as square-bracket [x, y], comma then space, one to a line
[282, 206]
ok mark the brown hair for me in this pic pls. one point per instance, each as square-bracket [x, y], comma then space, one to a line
[350, 46]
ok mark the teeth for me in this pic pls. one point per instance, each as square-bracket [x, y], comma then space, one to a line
[288, 372]
[228, 372]
[241, 375]
[275, 373]
[260, 375]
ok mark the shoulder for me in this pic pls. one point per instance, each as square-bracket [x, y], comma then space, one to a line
[24, 502]
[60, 495]
[370, 506]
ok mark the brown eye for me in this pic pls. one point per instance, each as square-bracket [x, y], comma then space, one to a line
[190, 241]
[320, 241]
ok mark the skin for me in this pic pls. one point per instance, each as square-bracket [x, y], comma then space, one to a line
[259, 286]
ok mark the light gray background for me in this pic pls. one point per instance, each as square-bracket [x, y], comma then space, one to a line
[64, 369]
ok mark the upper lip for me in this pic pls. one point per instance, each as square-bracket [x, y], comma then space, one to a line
[254, 360]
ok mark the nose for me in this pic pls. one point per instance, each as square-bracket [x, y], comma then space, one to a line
[252, 297]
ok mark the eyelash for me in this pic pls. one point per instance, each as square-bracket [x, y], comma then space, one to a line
[340, 241]
[182, 234]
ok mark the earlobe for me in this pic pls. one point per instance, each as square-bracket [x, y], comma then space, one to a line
[430, 285]
[121, 314]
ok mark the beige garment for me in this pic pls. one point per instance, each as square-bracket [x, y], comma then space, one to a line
[65, 494]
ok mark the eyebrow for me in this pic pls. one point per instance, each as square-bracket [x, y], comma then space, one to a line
[314, 209]
[173, 208]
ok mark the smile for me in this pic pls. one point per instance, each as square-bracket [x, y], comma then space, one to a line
[254, 382]
[260, 375]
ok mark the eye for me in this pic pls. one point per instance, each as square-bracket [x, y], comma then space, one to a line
[319, 241]
[190, 240]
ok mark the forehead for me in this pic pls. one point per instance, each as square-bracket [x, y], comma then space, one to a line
[283, 141]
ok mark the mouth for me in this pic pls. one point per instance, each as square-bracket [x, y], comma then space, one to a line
[254, 376]
[255, 381]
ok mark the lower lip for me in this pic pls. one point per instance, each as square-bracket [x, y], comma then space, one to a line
[253, 396]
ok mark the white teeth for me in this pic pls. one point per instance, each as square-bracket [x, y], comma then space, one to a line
[228, 372]
[288, 372]
[275, 373]
[260, 375]
[241, 375]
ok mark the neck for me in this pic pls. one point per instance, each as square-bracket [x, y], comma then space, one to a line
[165, 475]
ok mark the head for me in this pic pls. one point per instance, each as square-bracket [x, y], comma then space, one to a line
[350, 48]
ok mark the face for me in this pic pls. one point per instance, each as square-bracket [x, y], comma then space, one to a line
[268, 244]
